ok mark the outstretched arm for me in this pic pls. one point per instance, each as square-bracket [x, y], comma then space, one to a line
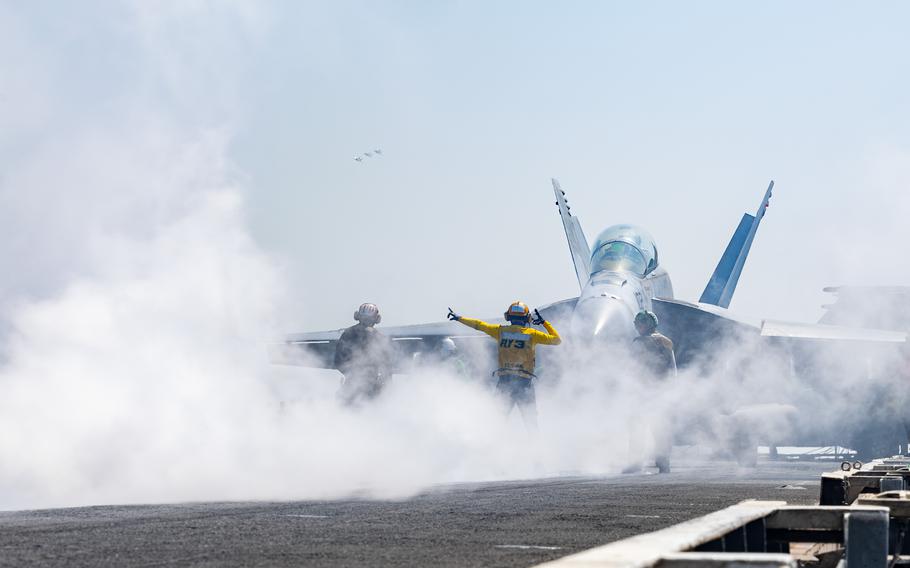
[479, 325]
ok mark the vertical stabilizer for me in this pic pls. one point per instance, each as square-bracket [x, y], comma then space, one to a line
[720, 288]
[578, 245]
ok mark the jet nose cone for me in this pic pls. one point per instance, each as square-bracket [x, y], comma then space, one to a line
[603, 318]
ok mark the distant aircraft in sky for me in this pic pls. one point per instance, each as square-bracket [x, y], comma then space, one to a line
[361, 156]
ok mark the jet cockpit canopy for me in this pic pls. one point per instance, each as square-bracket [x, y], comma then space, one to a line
[624, 247]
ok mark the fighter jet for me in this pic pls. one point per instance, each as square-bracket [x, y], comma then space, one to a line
[617, 277]
[359, 157]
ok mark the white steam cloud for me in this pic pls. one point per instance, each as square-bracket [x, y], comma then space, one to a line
[136, 307]
[136, 310]
[148, 338]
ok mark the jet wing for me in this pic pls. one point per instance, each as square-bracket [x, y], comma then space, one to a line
[317, 349]
[698, 329]
[794, 330]
[558, 312]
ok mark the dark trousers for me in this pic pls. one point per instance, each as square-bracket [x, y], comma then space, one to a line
[516, 390]
[356, 389]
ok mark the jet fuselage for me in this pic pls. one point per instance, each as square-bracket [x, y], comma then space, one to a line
[609, 301]
[623, 278]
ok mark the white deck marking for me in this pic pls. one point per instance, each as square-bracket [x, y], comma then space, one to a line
[528, 547]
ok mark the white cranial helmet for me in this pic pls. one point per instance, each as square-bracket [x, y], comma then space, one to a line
[368, 314]
[447, 347]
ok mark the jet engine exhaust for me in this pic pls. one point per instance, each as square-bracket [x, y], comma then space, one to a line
[603, 318]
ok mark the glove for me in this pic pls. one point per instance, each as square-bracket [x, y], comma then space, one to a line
[453, 316]
[538, 319]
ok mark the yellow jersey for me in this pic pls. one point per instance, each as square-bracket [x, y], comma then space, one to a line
[516, 343]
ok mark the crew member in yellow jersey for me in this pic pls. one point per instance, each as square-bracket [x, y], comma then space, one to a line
[517, 342]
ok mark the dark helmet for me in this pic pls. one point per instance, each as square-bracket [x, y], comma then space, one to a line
[647, 319]
[518, 313]
[368, 314]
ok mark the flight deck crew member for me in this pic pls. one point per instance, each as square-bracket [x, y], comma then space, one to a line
[450, 358]
[653, 352]
[517, 343]
[445, 357]
[364, 356]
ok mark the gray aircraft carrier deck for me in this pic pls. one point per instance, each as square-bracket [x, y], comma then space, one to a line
[510, 523]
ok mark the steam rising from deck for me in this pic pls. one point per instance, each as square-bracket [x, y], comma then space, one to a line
[136, 307]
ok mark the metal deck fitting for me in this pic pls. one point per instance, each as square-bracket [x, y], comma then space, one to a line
[845, 486]
[751, 533]
[863, 516]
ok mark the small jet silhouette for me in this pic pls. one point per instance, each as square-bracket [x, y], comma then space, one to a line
[360, 157]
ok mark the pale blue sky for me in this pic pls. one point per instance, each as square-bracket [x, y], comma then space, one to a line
[671, 115]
